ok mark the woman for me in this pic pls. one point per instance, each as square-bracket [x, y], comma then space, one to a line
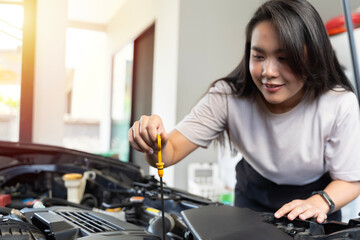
[288, 108]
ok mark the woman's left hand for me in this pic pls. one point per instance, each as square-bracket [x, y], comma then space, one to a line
[313, 207]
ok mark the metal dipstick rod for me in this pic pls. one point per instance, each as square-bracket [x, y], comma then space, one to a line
[160, 167]
[349, 27]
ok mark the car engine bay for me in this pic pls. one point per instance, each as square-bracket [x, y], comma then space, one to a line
[119, 202]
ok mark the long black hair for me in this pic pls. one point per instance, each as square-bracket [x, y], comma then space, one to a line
[305, 42]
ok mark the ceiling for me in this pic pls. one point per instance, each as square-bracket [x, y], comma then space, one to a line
[93, 11]
[102, 11]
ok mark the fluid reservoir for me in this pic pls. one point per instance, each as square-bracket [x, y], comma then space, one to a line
[75, 184]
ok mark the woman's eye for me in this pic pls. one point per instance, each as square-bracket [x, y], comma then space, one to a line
[282, 58]
[257, 57]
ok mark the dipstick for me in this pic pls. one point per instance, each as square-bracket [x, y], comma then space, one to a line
[160, 167]
[159, 164]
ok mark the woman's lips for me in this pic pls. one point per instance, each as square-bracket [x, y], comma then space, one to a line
[273, 87]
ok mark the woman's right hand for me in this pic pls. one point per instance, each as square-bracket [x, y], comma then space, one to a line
[143, 134]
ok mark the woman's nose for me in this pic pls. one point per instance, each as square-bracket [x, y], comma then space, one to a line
[270, 68]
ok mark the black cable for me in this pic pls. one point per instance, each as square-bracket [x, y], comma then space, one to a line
[58, 201]
[162, 207]
[5, 210]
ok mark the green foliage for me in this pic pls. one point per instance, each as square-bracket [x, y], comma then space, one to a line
[10, 102]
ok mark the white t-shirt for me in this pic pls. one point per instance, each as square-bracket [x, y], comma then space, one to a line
[296, 147]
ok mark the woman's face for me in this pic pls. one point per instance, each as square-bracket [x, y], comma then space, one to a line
[280, 87]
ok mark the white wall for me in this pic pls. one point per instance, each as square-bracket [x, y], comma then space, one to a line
[49, 88]
[166, 53]
[86, 54]
[332, 8]
[211, 44]
[131, 20]
[165, 76]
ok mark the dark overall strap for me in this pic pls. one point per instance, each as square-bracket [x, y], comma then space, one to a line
[260, 194]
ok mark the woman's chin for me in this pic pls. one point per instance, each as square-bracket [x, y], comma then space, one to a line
[273, 100]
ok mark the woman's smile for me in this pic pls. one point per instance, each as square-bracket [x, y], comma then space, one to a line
[271, 87]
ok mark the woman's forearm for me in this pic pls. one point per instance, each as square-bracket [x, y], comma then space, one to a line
[342, 192]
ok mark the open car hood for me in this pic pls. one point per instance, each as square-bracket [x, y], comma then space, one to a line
[20, 158]
[120, 202]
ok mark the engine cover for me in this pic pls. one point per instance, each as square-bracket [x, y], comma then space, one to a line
[65, 223]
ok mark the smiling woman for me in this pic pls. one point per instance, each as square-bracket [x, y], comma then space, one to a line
[288, 108]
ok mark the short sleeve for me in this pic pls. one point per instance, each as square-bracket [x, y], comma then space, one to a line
[208, 118]
[342, 151]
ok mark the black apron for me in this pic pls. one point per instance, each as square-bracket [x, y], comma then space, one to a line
[260, 194]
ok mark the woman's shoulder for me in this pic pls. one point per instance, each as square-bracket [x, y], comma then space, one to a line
[339, 98]
[339, 94]
[221, 86]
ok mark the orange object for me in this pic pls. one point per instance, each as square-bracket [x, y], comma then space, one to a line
[137, 199]
[337, 25]
[5, 199]
[72, 176]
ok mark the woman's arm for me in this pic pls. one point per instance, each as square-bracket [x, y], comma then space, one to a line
[143, 137]
[341, 193]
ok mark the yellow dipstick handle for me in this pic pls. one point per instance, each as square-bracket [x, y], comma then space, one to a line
[159, 164]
